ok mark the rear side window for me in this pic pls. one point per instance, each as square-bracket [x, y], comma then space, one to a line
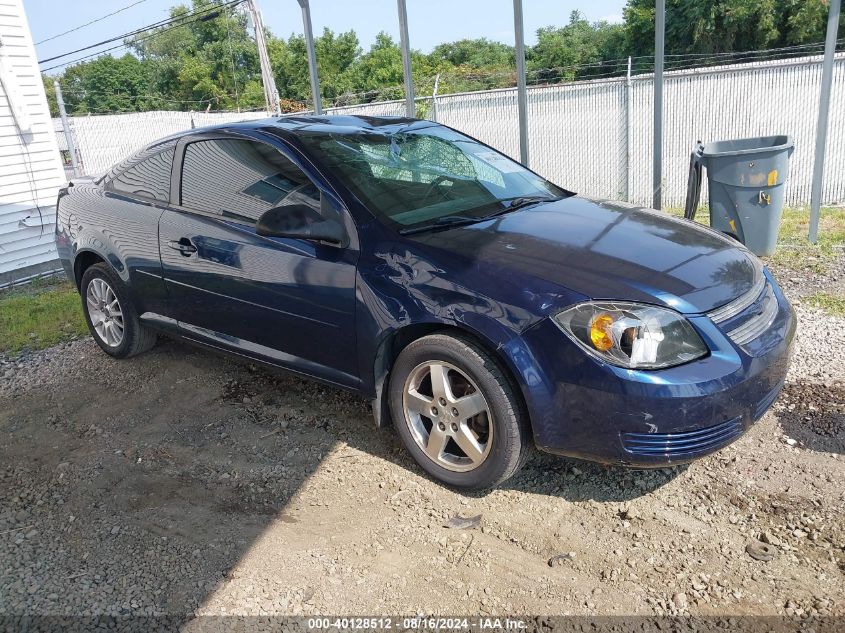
[240, 180]
[148, 178]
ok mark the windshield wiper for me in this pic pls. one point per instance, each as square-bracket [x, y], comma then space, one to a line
[460, 220]
[445, 222]
[518, 203]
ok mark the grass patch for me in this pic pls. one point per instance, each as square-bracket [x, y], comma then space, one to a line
[832, 304]
[41, 314]
[794, 250]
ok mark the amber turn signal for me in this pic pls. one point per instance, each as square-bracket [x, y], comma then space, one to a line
[600, 332]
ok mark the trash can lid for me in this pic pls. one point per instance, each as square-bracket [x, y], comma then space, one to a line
[753, 145]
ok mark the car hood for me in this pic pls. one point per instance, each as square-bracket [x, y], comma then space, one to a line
[608, 250]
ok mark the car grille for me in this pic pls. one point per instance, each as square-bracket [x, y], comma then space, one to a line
[761, 306]
[682, 444]
[730, 310]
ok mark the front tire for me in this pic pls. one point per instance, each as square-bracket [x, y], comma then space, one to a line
[111, 315]
[457, 412]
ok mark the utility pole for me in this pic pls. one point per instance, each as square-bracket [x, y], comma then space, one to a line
[71, 146]
[312, 56]
[821, 129]
[271, 95]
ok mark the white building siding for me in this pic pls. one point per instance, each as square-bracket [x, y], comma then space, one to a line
[31, 171]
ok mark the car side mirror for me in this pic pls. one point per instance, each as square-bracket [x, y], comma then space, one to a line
[299, 221]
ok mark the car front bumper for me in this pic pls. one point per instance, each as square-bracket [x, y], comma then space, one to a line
[581, 407]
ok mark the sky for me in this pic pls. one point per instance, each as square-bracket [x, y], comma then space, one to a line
[431, 22]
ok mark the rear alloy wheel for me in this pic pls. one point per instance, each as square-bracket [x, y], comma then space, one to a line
[105, 312]
[457, 412]
[111, 315]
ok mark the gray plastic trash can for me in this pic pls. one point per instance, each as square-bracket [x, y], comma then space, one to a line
[746, 180]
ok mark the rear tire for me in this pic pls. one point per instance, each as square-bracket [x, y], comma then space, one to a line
[471, 432]
[110, 314]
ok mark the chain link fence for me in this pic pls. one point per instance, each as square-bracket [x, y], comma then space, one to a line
[579, 132]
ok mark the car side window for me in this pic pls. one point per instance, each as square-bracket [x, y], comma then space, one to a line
[240, 179]
[147, 177]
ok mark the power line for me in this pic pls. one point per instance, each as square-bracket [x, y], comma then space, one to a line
[130, 97]
[160, 23]
[82, 26]
[137, 40]
[754, 52]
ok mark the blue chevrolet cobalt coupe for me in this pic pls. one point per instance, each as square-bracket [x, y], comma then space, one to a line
[482, 308]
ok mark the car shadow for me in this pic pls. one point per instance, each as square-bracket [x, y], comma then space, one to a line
[576, 480]
[134, 488]
[568, 479]
[813, 415]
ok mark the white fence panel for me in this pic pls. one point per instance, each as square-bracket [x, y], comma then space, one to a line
[383, 108]
[104, 140]
[490, 116]
[578, 131]
[577, 136]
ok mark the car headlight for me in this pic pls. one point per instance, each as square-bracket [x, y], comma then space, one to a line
[632, 335]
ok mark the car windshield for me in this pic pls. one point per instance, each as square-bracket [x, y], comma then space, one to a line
[413, 176]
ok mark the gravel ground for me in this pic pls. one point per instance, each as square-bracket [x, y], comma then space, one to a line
[182, 483]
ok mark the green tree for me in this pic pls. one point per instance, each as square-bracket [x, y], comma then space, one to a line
[106, 84]
[724, 26]
[378, 73]
[50, 91]
[335, 55]
[208, 60]
[562, 52]
[477, 53]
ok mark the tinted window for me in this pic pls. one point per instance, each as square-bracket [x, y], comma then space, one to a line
[148, 177]
[242, 179]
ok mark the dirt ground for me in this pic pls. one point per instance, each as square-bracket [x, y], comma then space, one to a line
[179, 482]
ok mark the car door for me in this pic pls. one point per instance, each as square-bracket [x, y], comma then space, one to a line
[125, 222]
[282, 300]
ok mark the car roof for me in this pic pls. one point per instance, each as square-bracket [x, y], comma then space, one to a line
[332, 124]
[289, 126]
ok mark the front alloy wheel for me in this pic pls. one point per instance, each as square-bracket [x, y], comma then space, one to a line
[448, 416]
[458, 412]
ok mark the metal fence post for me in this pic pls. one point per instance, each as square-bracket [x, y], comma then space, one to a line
[821, 129]
[629, 134]
[312, 56]
[521, 95]
[434, 98]
[657, 168]
[71, 146]
[410, 105]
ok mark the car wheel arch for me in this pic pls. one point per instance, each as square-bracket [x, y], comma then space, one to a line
[393, 344]
[82, 261]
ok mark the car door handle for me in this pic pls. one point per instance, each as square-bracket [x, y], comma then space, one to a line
[183, 245]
